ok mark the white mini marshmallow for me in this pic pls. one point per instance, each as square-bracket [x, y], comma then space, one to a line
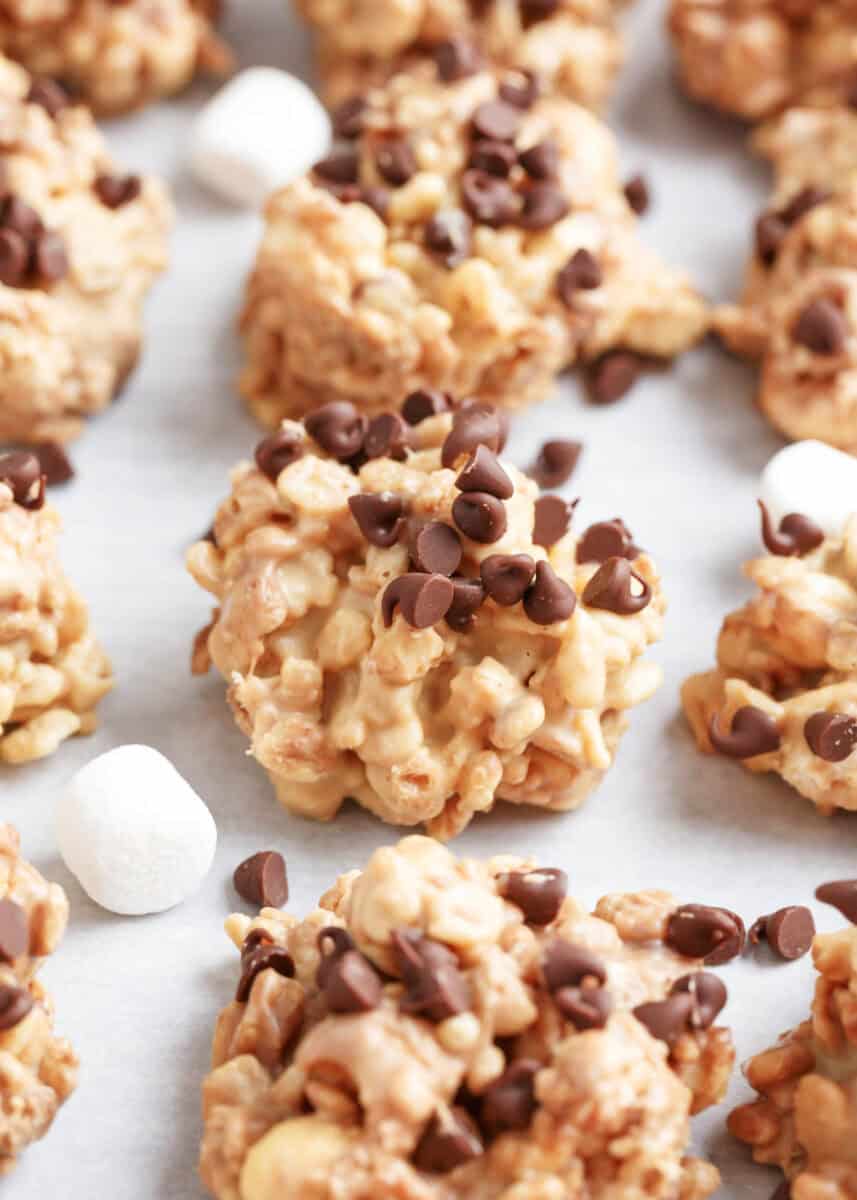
[260, 131]
[134, 832]
[813, 479]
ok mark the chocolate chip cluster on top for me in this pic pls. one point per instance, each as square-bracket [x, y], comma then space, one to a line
[784, 694]
[442, 1029]
[467, 232]
[38, 1070]
[406, 620]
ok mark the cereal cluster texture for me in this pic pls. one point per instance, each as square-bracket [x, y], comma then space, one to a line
[38, 1070]
[52, 671]
[442, 1029]
[80, 246]
[421, 631]
[783, 696]
[465, 233]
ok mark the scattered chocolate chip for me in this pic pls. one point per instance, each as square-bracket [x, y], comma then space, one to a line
[831, 736]
[752, 732]
[821, 328]
[797, 533]
[612, 588]
[435, 548]
[387, 436]
[606, 539]
[447, 235]
[278, 451]
[715, 935]
[492, 157]
[480, 516]
[788, 931]
[14, 931]
[14, 258]
[450, 1139]
[379, 516]
[575, 977]
[54, 463]
[551, 520]
[637, 194]
[48, 257]
[468, 596]
[261, 879]
[471, 427]
[259, 957]
[349, 981]
[541, 161]
[49, 95]
[510, 1101]
[114, 191]
[666, 1019]
[549, 598]
[21, 217]
[584, 1007]
[424, 403]
[533, 11]
[332, 941]
[582, 272]
[338, 428]
[15, 1004]
[435, 988]
[456, 59]
[422, 599]
[806, 199]
[842, 894]
[709, 996]
[483, 473]
[506, 577]
[544, 204]
[495, 120]
[489, 200]
[396, 162]
[538, 893]
[520, 89]
[769, 234]
[22, 473]
[556, 462]
[342, 165]
[613, 376]
[348, 116]
[378, 199]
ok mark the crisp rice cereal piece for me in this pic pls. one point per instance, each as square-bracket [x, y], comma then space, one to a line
[464, 1070]
[343, 304]
[38, 1071]
[420, 725]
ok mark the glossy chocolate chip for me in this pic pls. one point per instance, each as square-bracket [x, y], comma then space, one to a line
[54, 463]
[613, 376]
[114, 191]
[435, 548]
[376, 198]
[541, 161]
[637, 194]
[48, 258]
[842, 894]
[797, 534]
[495, 120]
[551, 520]
[556, 462]
[533, 11]
[22, 474]
[488, 200]
[448, 236]
[15, 1004]
[566, 965]
[477, 425]
[342, 165]
[480, 516]
[349, 981]
[788, 931]
[543, 205]
[584, 1007]
[418, 406]
[14, 931]
[616, 588]
[21, 217]
[606, 539]
[396, 162]
[278, 451]
[483, 473]
[715, 935]
[549, 598]
[338, 428]
[510, 1101]
[821, 328]
[521, 89]
[450, 1139]
[49, 95]
[259, 957]
[831, 736]
[752, 732]
[506, 577]
[435, 987]
[666, 1019]
[379, 516]
[803, 201]
[456, 59]
[387, 436]
[492, 157]
[422, 599]
[709, 996]
[348, 117]
[262, 880]
[467, 598]
[14, 258]
[538, 893]
[582, 272]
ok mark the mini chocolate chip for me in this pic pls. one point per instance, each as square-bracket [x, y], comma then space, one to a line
[549, 598]
[263, 956]
[388, 436]
[447, 235]
[422, 599]
[506, 577]
[54, 463]
[544, 204]
[15, 1004]
[797, 533]
[494, 158]
[709, 996]
[278, 451]
[541, 161]
[21, 217]
[456, 59]
[821, 328]
[568, 965]
[495, 120]
[342, 165]
[520, 89]
[424, 403]
[261, 879]
[467, 598]
[483, 473]
[715, 935]
[666, 1019]
[752, 732]
[22, 473]
[450, 1139]
[489, 200]
[606, 539]
[613, 376]
[582, 272]
[510, 1101]
[435, 988]
[806, 199]
[338, 428]
[612, 588]
[538, 893]
[842, 894]
[351, 983]
[789, 931]
[637, 194]
[551, 520]
[396, 162]
[556, 462]
[49, 95]
[49, 259]
[831, 736]
[14, 931]
[435, 548]
[769, 234]
[480, 516]
[379, 516]
[14, 258]
[471, 427]
[114, 191]
[348, 116]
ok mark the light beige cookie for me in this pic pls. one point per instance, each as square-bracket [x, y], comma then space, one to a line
[425, 699]
[53, 673]
[409, 259]
[440, 1029]
[38, 1070]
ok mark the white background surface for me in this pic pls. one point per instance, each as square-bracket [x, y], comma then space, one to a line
[678, 459]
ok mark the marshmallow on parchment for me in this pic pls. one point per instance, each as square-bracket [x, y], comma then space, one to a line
[134, 832]
[259, 132]
[814, 479]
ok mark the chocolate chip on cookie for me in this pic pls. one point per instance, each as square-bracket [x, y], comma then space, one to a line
[821, 328]
[14, 931]
[480, 516]
[489, 200]
[520, 88]
[495, 120]
[704, 931]
[22, 474]
[638, 194]
[709, 996]
[476, 425]
[348, 118]
[379, 516]
[435, 548]
[422, 599]
[395, 161]
[448, 235]
[582, 272]
[342, 165]
[616, 588]
[259, 957]
[543, 205]
[277, 451]
[450, 1139]
[15, 1004]
[752, 732]
[456, 59]
[115, 191]
[483, 473]
[387, 436]
[493, 157]
[797, 534]
[541, 160]
[548, 598]
[507, 576]
[551, 519]
[349, 981]
[338, 428]
[666, 1019]
[606, 539]
[435, 987]
[538, 893]
[467, 598]
[510, 1101]
[418, 406]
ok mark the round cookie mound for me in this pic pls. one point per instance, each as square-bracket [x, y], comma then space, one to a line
[442, 1029]
[403, 619]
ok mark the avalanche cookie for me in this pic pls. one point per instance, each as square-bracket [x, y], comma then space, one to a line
[38, 1070]
[80, 245]
[440, 1029]
[404, 620]
[52, 671]
[784, 695]
[463, 234]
